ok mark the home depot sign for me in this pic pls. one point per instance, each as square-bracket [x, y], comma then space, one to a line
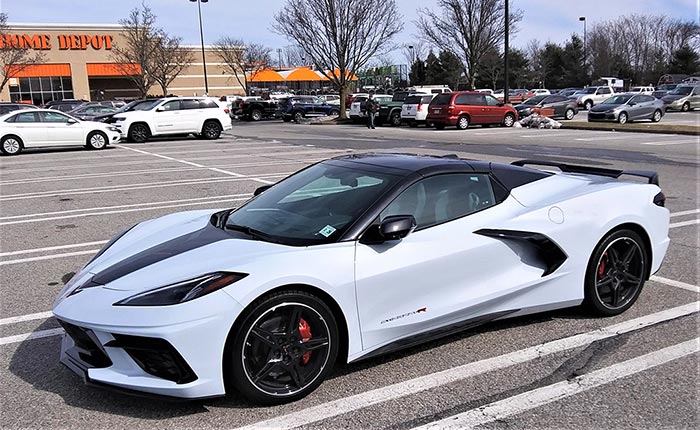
[64, 41]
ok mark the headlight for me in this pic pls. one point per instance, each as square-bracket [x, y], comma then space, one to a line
[113, 129]
[183, 291]
[118, 118]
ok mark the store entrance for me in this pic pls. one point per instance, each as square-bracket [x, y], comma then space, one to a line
[112, 88]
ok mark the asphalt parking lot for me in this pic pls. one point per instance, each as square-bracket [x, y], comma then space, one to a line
[561, 369]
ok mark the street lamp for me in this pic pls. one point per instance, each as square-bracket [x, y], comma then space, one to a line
[506, 15]
[201, 39]
[583, 18]
[413, 60]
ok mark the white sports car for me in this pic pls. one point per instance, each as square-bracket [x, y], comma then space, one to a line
[349, 258]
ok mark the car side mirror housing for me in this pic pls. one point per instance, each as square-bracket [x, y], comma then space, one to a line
[71, 121]
[394, 227]
[501, 104]
[160, 109]
[262, 189]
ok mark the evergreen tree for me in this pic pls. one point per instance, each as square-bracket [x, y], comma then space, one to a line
[518, 76]
[452, 69]
[684, 60]
[417, 75]
[574, 72]
[433, 69]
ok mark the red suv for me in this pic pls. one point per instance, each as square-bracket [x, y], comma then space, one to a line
[464, 108]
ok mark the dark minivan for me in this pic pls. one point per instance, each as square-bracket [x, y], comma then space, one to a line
[463, 108]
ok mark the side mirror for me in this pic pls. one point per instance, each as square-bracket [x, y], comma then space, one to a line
[262, 189]
[394, 227]
[501, 104]
[632, 103]
[71, 121]
[160, 109]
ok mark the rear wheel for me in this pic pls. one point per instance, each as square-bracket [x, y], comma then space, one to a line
[509, 120]
[283, 349]
[395, 119]
[588, 105]
[138, 133]
[656, 117]
[463, 122]
[211, 130]
[616, 273]
[298, 116]
[439, 126]
[569, 114]
[11, 145]
[256, 115]
[685, 107]
[334, 113]
[96, 140]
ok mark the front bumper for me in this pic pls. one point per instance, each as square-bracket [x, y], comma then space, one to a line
[602, 116]
[677, 105]
[175, 351]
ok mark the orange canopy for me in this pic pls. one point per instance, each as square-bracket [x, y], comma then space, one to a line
[265, 75]
[38, 70]
[336, 72]
[112, 69]
[301, 74]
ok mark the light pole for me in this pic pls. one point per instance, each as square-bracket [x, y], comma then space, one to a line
[201, 39]
[585, 69]
[505, 53]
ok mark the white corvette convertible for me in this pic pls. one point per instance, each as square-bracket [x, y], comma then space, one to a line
[349, 258]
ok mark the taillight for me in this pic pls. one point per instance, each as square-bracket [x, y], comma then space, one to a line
[226, 111]
[660, 199]
[420, 103]
[450, 108]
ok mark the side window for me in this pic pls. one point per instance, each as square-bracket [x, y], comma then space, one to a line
[189, 104]
[491, 101]
[26, 117]
[207, 104]
[53, 117]
[442, 198]
[172, 105]
[604, 91]
[470, 99]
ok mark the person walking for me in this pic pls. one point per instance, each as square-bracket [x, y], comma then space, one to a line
[371, 107]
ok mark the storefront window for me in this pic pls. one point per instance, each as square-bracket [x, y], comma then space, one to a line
[42, 90]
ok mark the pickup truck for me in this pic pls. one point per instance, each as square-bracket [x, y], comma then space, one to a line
[390, 110]
[591, 96]
[255, 110]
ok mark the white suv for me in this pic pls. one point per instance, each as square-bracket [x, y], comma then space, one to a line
[414, 110]
[200, 116]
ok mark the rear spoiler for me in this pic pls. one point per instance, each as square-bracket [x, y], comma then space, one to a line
[651, 176]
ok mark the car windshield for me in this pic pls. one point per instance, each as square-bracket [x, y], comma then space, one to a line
[534, 100]
[314, 206]
[412, 100]
[442, 99]
[681, 91]
[617, 100]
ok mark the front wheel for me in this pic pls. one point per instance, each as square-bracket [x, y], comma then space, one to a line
[395, 119]
[509, 120]
[298, 116]
[622, 118]
[588, 105]
[616, 273]
[256, 115]
[11, 145]
[656, 117]
[138, 133]
[96, 140]
[283, 349]
[569, 114]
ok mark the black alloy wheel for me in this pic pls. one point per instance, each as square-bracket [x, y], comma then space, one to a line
[298, 116]
[616, 273]
[256, 115]
[284, 349]
[211, 130]
[139, 133]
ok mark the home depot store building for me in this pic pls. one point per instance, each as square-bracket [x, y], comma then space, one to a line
[78, 64]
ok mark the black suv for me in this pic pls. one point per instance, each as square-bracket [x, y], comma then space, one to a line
[65, 105]
[298, 107]
[11, 107]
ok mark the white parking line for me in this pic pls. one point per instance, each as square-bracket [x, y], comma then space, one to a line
[673, 283]
[684, 223]
[349, 404]
[29, 336]
[28, 317]
[677, 142]
[48, 257]
[545, 395]
[683, 213]
[53, 248]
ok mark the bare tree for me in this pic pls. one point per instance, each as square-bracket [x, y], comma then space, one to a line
[491, 66]
[294, 56]
[243, 59]
[135, 56]
[169, 60]
[467, 28]
[14, 58]
[414, 51]
[340, 36]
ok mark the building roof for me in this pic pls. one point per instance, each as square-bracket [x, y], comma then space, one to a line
[266, 75]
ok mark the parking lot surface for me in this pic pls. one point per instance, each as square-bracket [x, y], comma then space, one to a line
[561, 369]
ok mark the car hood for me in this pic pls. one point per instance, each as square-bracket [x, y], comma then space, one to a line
[171, 249]
[673, 97]
[605, 107]
[523, 106]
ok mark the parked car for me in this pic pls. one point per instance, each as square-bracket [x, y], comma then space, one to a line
[498, 93]
[299, 107]
[403, 249]
[200, 116]
[11, 107]
[642, 90]
[627, 107]
[663, 90]
[31, 128]
[430, 89]
[541, 92]
[89, 112]
[255, 109]
[414, 110]
[357, 111]
[331, 99]
[682, 98]
[390, 108]
[591, 96]
[567, 92]
[351, 98]
[561, 106]
[142, 104]
[463, 108]
[65, 105]
[485, 91]
[516, 95]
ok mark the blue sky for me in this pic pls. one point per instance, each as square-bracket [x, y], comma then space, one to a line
[553, 20]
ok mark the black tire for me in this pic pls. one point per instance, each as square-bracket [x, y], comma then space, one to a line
[616, 273]
[588, 105]
[11, 145]
[622, 118]
[685, 107]
[395, 119]
[656, 116]
[334, 113]
[211, 130]
[261, 343]
[509, 120]
[96, 140]
[439, 126]
[286, 119]
[569, 114]
[139, 133]
[256, 115]
[463, 122]
[298, 116]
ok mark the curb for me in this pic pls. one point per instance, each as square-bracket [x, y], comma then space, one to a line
[687, 130]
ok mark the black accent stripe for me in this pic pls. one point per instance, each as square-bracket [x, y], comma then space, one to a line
[110, 243]
[437, 333]
[548, 251]
[651, 176]
[196, 239]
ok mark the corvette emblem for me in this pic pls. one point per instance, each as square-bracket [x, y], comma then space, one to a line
[404, 315]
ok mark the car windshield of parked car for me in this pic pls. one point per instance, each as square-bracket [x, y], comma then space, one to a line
[314, 206]
[681, 91]
[534, 100]
[617, 100]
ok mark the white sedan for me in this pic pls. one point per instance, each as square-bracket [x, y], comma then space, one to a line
[46, 127]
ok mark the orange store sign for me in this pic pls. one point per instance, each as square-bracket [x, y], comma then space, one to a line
[64, 41]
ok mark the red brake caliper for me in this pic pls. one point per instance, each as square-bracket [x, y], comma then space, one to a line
[601, 268]
[305, 332]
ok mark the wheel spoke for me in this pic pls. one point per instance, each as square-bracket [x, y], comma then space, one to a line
[293, 321]
[613, 256]
[605, 282]
[267, 368]
[264, 336]
[627, 258]
[297, 375]
[615, 299]
[631, 278]
[315, 343]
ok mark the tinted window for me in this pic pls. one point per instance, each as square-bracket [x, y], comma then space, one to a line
[604, 91]
[189, 104]
[399, 97]
[208, 104]
[26, 117]
[491, 100]
[426, 99]
[53, 117]
[555, 99]
[442, 99]
[412, 100]
[470, 99]
[172, 105]
[442, 198]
